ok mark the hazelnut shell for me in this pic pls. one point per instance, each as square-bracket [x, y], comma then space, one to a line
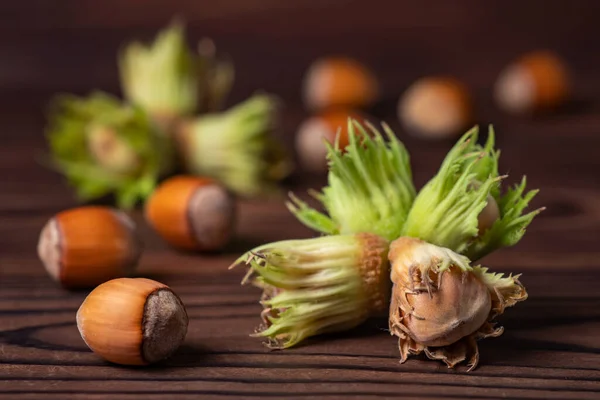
[535, 82]
[436, 108]
[192, 213]
[458, 307]
[339, 82]
[132, 321]
[85, 246]
[488, 216]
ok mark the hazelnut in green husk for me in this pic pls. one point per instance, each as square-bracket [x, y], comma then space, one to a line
[171, 81]
[183, 91]
[321, 285]
[334, 283]
[441, 305]
[236, 146]
[104, 147]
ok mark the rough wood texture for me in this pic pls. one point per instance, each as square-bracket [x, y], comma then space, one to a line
[551, 347]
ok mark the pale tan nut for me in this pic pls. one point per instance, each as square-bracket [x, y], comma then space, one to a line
[538, 81]
[436, 108]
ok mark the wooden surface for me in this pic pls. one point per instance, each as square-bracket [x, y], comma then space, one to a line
[551, 346]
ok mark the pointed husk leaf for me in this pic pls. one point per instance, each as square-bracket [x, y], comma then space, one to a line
[169, 80]
[446, 210]
[370, 187]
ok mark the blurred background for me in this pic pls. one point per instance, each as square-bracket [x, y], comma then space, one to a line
[47, 47]
[70, 45]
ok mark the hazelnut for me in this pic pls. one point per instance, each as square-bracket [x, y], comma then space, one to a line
[436, 108]
[537, 81]
[192, 213]
[488, 216]
[85, 246]
[490, 213]
[339, 82]
[132, 321]
[111, 152]
[315, 130]
[459, 306]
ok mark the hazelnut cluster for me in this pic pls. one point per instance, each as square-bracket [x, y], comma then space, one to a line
[125, 319]
[433, 107]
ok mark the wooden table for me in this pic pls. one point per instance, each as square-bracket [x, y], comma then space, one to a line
[551, 346]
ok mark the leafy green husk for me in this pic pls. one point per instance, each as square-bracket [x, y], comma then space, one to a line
[445, 211]
[370, 187]
[316, 286]
[236, 147]
[169, 80]
[71, 120]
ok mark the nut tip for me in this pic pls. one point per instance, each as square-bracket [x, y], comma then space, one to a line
[165, 325]
[49, 250]
[211, 215]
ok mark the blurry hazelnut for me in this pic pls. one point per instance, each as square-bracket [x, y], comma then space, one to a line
[315, 130]
[110, 151]
[436, 108]
[132, 321]
[86, 246]
[192, 213]
[535, 82]
[339, 82]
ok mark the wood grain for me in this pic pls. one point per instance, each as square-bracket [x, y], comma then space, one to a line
[551, 346]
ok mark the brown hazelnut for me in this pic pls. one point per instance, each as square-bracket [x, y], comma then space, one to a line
[132, 321]
[339, 82]
[86, 246]
[192, 213]
[537, 81]
[436, 108]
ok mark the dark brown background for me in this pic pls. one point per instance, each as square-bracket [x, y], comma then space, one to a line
[551, 347]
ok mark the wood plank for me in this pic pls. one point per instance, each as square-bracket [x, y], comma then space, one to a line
[551, 346]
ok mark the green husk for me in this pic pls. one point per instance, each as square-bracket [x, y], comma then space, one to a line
[236, 147]
[169, 80]
[445, 211]
[72, 121]
[320, 285]
[370, 187]
[184, 92]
